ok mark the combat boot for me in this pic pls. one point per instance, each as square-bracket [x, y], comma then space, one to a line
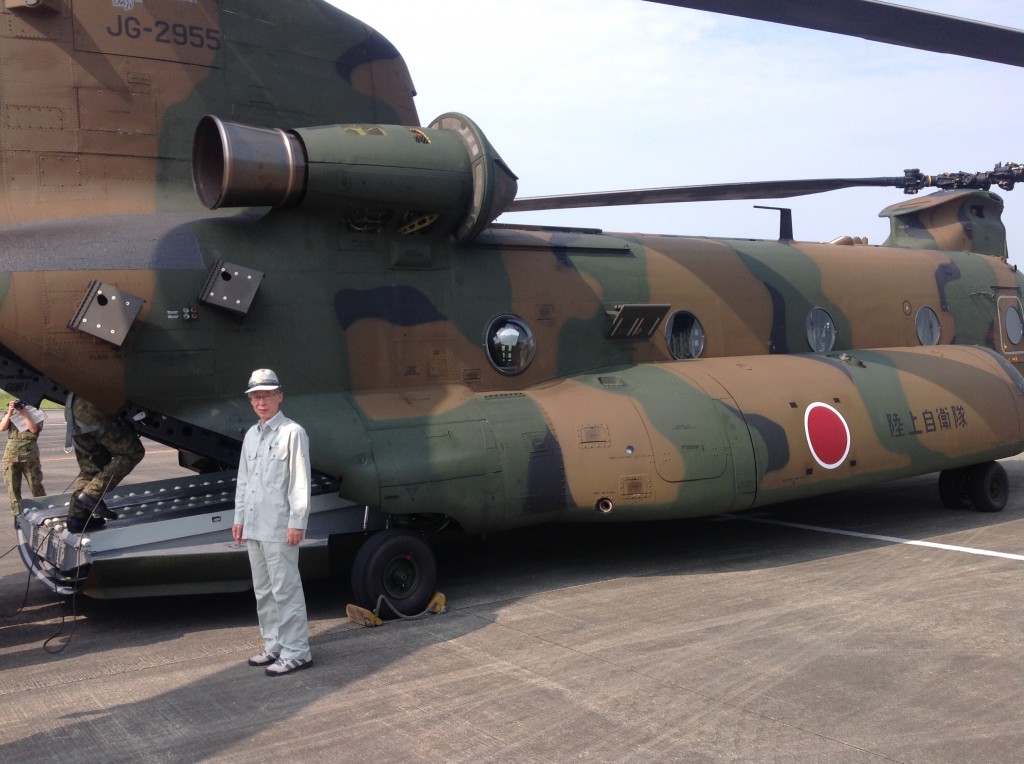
[97, 507]
[103, 512]
[79, 523]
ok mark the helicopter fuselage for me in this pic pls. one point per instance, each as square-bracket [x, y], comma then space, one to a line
[650, 377]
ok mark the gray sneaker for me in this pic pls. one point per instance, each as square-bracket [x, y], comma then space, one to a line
[287, 665]
[263, 659]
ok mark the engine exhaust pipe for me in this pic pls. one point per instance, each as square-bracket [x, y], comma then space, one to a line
[238, 165]
[447, 172]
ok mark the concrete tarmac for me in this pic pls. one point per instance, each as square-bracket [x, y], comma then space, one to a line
[870, 626]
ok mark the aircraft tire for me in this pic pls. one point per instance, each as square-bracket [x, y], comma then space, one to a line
[990, 487]
[955, 488]
[398, 564]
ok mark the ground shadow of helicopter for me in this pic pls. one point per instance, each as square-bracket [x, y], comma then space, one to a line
[208, 718]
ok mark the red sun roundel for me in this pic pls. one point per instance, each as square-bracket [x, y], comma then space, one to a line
[828, 435]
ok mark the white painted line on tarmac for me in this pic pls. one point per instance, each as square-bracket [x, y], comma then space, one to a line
[890, 539]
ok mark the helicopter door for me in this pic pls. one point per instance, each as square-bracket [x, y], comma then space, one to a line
[1011, 326]
[713, 441]
[686, 437]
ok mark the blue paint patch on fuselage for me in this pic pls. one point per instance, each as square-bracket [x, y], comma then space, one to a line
[398, 305]
[779, 343]
[945, 275]
[367, 51]
[126, 242]
[775, 440]
[546, 488]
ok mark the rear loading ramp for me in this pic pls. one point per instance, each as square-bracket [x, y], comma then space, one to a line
[171, 537]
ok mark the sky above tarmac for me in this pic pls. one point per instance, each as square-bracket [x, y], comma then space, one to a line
[599, 95]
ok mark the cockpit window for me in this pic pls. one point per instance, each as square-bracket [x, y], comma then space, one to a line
[1014, 324]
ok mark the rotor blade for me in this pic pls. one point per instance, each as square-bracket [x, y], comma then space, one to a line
[771, 189]
[881, 22]
[1005, 175]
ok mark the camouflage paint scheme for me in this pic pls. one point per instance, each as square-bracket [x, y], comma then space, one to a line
[379, 331]
[401, 403]
[101, 97]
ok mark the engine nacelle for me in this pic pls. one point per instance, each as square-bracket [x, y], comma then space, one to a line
[964, 220]
[443, 177]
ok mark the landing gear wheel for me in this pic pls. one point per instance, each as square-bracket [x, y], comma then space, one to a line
[955, 488]
[990, 488]
[399, 565]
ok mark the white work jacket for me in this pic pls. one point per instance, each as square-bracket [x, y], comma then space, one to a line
[273, 489]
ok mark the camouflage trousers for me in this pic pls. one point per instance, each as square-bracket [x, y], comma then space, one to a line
[104, 460]
[21, 459]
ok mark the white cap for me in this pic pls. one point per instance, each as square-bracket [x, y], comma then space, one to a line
[262, 379]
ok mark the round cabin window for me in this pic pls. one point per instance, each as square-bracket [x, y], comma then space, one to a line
[510, 345]
[685, 336]
[821, 330]
[929, 331]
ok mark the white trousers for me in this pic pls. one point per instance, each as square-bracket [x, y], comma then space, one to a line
[280, 601]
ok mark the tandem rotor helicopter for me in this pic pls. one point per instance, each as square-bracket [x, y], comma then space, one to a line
[196, 188]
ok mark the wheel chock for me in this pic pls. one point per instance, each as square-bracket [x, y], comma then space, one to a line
[362, 616]
[437, 603]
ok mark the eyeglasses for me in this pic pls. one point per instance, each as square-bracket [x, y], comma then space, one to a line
[255, 398]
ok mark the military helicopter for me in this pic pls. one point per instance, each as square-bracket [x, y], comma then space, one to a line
[194, 189]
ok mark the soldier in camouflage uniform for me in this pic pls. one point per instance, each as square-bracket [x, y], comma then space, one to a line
[21, 456]
[107, 449]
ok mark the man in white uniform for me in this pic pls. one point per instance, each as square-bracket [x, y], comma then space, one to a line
[271, 511]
